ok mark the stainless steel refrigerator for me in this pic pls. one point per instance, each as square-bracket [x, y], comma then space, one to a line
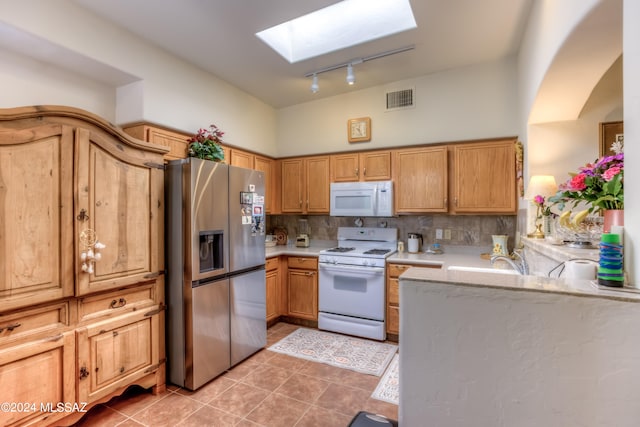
[216, 284]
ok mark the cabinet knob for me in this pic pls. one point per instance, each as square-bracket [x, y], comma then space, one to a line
[84, 373]
[82, 216]
[364, 172]
[357, 170]
[118, 303]
[10, 327]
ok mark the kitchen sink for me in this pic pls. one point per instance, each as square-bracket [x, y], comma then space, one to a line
[483, 269]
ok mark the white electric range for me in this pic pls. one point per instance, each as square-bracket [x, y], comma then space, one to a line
[351, 286]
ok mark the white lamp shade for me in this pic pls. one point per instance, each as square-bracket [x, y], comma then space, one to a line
[543, 185]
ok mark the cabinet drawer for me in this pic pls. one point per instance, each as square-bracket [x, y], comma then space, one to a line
[272, 263]
[393, 294]
[112, 303]
[303, 263]
[25, 323]
[396, 270]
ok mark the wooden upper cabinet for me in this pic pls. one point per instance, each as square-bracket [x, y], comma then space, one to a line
[36, 215]
[366, 166]
[484, 177]
[317, 184]
[292, 185]
[240, 158]
[305, 185]
[120, 197]
[420, 177]
[177, 142]
[268, 167]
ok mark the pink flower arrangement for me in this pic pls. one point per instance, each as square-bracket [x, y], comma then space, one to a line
[601, 184]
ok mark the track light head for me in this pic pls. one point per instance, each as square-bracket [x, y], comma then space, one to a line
[351, 78]
[314, 84]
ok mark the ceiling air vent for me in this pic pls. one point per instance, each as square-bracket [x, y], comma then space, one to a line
[399, 99]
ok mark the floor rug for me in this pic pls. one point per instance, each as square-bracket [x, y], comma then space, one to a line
[388, 387]
[360, 355]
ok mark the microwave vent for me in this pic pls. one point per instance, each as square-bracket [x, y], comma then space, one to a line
[399, 99]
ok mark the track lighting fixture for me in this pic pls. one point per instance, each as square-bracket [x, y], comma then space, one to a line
[351, 79]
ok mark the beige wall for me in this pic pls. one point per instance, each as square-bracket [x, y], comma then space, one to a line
[156, 86]
[467, 103]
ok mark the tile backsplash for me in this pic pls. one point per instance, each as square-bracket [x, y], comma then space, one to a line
[466, 230]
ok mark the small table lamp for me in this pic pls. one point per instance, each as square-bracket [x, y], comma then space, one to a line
[540, 185]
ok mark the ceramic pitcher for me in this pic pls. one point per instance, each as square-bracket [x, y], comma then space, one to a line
[500, 244]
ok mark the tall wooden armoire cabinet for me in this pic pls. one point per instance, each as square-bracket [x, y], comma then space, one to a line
[81, 263]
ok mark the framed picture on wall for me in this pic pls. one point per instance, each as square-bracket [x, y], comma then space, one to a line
[610, 132]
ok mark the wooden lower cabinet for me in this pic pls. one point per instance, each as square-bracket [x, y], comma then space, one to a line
[37, 375]
[273, 289]
[116, 352]
[302, 287]
[393, 297]
[393, 294]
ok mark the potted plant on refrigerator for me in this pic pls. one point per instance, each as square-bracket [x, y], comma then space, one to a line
[205, 144]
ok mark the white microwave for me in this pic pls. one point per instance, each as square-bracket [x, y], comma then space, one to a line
[374, 198]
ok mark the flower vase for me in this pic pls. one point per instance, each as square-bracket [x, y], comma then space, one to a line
[612, 217]
[547, 225]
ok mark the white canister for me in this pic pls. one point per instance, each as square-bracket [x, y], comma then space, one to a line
[413, 242]
[581, 269]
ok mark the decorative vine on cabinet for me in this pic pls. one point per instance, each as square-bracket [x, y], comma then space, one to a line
[81, 263]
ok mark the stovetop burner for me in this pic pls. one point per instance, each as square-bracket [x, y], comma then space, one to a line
[341, 249]
[376, 252]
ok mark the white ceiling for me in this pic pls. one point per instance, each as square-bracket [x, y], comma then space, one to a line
[219, 36]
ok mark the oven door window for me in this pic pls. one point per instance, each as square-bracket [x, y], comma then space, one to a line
[352, 291]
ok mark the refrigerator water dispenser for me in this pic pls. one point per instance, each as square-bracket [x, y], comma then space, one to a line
[211, 250]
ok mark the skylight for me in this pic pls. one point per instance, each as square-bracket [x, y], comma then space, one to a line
[344, 24]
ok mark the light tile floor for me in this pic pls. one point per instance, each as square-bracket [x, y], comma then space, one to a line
[268, 389]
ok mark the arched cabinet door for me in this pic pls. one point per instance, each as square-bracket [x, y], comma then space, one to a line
[36, 208]
[119, 203]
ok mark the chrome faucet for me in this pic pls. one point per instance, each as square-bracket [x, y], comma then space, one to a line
[521, 266]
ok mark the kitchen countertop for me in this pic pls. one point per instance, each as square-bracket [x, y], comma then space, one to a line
[515, 282]
[313, 250]
[560, 252]
[469, 256]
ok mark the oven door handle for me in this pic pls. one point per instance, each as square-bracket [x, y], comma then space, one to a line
[351, 268]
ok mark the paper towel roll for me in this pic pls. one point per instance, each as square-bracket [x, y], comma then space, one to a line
[581, 270]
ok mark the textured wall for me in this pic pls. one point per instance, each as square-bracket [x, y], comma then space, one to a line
[483, 356]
